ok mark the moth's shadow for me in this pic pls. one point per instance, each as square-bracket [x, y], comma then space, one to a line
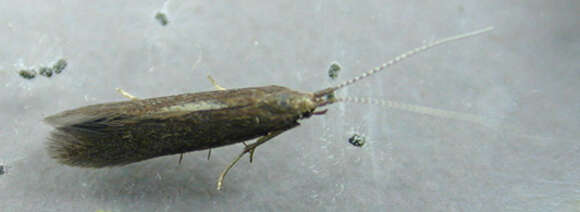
[152, 180]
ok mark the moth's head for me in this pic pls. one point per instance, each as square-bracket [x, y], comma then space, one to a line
[292, 102]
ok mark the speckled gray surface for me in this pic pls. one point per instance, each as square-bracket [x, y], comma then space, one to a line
[524, 74]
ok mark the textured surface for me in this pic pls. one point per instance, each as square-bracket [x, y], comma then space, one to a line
[524, 74]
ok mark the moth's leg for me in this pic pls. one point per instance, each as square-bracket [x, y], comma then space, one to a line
[248, 148]
[180, 158]
[214, 83]
[322, 112]
[126, 94]
[251, 152]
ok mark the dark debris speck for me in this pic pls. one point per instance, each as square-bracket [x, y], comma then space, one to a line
[357, 140]
[333, 70]
[45, 71]
[59, 66]
[162, 18]
[27, 74]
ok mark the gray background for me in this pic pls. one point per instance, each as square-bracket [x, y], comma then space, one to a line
[524, 76]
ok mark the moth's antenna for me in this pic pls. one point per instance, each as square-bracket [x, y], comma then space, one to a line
[492, 123]
[398, 59]
[420, 109]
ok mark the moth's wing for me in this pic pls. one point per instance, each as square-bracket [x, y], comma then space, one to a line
[86, 136]
[94, 120]
[113, 116]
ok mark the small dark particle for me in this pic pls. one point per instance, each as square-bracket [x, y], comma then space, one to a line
[27, 74]
[2, 170]
[59, 66]
[357, 140]
[45, 71]
[333, 70]
[162, 18]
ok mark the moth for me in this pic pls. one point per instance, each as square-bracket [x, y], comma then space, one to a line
[120, 133]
